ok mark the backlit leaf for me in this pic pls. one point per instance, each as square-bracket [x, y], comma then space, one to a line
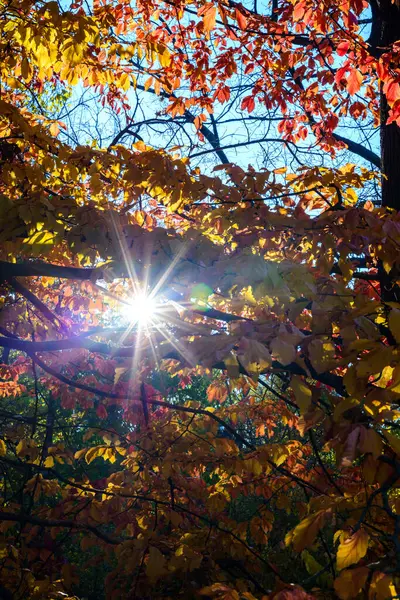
[304, 534]
[354, 81]
[352, 549]
[302, 392]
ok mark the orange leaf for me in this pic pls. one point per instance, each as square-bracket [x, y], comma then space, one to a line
[209, 18]
[217, 391]
[354, 81]
[299, 10]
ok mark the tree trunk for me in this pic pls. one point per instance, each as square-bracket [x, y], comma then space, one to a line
[384, 32]
[390, 159]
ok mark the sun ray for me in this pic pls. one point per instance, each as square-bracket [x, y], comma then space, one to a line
[146, 310]
[125, 253]
[168, 271]
[182, 350]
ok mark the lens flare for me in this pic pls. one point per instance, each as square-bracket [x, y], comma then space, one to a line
[142, 309]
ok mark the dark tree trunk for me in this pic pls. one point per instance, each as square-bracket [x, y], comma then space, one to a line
[390, 159]
[384, 32]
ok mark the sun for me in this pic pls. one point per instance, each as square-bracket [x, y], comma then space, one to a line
[142, 309]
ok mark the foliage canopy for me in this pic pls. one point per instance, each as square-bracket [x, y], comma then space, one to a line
[251, 420]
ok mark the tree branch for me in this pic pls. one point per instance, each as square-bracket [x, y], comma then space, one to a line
[41, 269]
[23, 518]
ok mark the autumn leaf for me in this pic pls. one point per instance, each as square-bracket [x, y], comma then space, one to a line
[371, 441]
[209, 17]
[255, 357]
[343, 48]
[241, 19]
[217, 391]
[302, 392]
[222, 590]
[391, 89]
[49, 462]
[299, 10]
[352, 549]
[285, 353]
[354, 81]
[101, 411]
[351, 447]
[3, 448]
[304, 534]
[248, 104]
[383, 586]
[350, 582]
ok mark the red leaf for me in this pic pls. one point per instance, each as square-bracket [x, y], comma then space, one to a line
[101, 411]
[392, 91]
[248, 104]
[343, 48]
[241, 19]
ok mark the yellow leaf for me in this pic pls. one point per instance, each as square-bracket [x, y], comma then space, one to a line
[49, 462]
[26, 70]
[124, 82]
[27, 449]
[313, 567]
[387, 374]
[352, 549]
[302, 393]
[79, 454]
[164, 56]
[322, 355]
[54, 129]
[72, 53]
[232, 366]
[305, 533]
[3, 448]
[93, 453]
[351, 195]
